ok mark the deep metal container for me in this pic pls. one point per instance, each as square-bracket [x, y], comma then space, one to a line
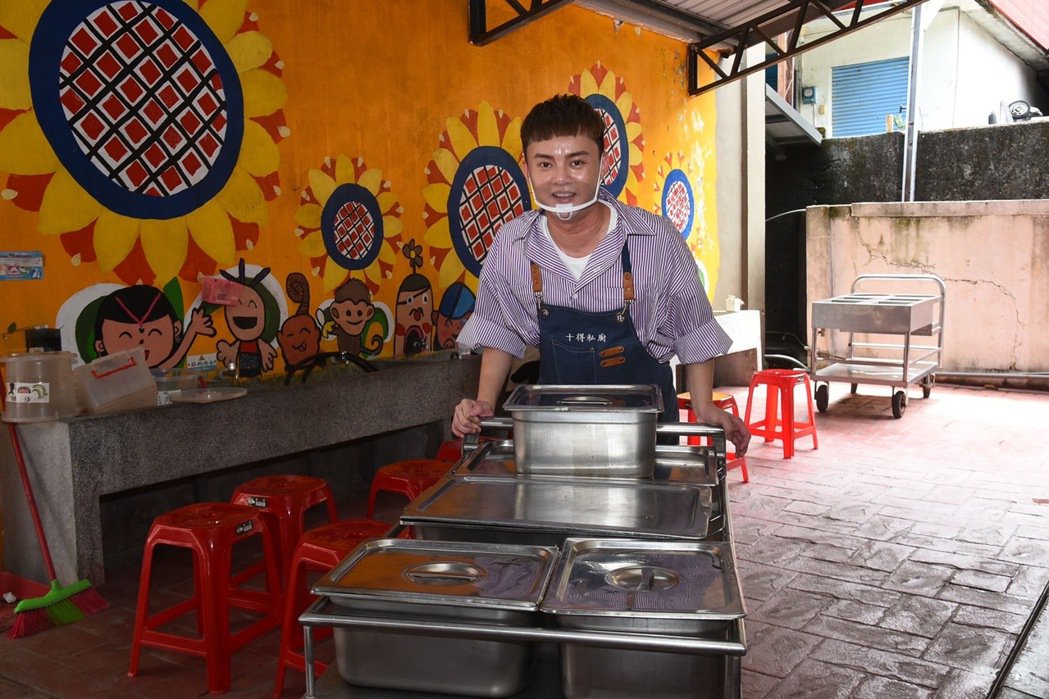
[438, 581]
[545, 511]
[585, 430]
[673, 464]
[648, 587]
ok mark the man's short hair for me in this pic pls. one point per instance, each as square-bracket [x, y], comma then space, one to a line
[563, 115]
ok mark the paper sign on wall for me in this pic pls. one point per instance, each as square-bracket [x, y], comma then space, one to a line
[21, 265]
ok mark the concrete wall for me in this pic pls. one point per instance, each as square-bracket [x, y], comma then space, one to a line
[991, 254]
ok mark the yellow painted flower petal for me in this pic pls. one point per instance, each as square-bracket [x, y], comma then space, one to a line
[334, 275]
[487, 128]
[344, 170]
[322, 185]
[20, 18]
[387, 201]
[392, 227]
[115, 236]
[625, 103]
[512, 139]
[309, 215]
[313, 245]
[212, 231]
[24, 150]
[165, 244]
[224, 17]
[14, 75]
[447, 163]
[264, 93]
[249, 50]
[436, 195]
[633, 130]
[373, 273]
[462, 141]
[451, 270]
[439, 235]
[386, 254]
[258, 153]
[242, 198]
[371, 179]
[66, 206]
[587, 84]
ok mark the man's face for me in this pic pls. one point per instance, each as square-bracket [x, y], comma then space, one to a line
[563, 169]
[247, 318]
[155, 337]
[351, 316]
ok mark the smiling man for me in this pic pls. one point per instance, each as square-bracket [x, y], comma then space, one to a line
[608, 292]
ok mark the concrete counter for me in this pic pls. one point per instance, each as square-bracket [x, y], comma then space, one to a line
[73, 463]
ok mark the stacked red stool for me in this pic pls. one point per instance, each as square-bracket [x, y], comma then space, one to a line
[408, 478]
[210, 531]
[725, 401]
[779, 422]
[319, 550]
[283, 502]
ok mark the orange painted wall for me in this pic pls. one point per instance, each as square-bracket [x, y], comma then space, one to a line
[386, 85]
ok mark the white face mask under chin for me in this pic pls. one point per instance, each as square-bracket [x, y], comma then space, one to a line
[566, 212]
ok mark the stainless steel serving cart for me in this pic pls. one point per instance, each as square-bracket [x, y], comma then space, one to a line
[881, 316]
[722, 650]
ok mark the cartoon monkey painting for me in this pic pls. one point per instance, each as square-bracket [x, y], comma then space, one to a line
[299, 338]
[350, 312]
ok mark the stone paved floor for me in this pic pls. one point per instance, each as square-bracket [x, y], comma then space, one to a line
[900, 559]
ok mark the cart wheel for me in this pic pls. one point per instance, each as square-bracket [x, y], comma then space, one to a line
[927, 384]
[822, 397]
[853, 387]
[899, 404]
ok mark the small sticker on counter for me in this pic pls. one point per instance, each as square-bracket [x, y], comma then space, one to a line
[21, 265]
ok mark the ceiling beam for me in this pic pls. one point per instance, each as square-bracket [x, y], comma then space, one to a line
[481, 34]
[792, 15]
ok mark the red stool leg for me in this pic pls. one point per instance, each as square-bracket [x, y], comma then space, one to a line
[142, 609]
[214, 608]
[787, 392]
[812, 412]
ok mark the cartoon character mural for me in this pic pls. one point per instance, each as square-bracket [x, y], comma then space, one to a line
[250, 352]
[299, 338]
[142, 316]
[457, 305]
[414, 313]
[350, 312]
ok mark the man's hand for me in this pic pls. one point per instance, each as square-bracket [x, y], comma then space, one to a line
[735, 429]
[468, 414]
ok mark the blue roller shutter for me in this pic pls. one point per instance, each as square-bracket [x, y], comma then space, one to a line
[864, 93]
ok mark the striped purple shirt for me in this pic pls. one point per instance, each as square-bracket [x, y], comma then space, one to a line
[671, 312]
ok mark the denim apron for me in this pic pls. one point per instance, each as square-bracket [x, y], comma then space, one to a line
[583, 348]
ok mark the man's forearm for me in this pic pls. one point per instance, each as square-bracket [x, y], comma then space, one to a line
[495, 367]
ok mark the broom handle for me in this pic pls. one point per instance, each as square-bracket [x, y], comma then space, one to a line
[28, 488]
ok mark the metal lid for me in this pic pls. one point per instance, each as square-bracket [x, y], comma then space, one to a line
[674, 464]
[583, 506]
[626, 398]
[457, 573]
[626, 578]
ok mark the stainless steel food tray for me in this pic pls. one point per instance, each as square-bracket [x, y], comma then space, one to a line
[545, 511]
[675, 464]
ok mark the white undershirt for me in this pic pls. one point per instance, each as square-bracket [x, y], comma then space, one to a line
[576, 265]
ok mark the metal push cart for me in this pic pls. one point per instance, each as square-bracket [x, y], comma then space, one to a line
[895, 364]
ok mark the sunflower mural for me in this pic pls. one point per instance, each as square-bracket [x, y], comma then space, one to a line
[624, 142]
[679, 198]
[475, 184]
[143, 132]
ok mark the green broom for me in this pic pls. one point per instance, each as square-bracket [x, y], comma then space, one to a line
[62, 605]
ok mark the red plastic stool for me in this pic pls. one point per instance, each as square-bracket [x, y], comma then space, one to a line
[779, 422]
[320, 550]
[409, 478]
[283, 502]
[450, 451]
[209, 530]
[725, 401]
